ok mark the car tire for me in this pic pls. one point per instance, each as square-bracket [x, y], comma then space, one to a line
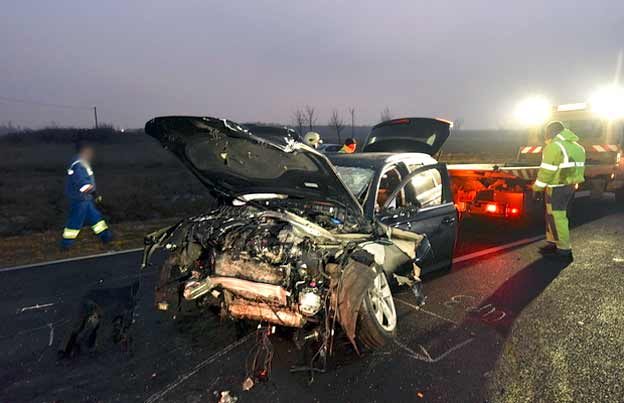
[377, 319]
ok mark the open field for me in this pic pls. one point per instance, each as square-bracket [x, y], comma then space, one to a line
[136, 177]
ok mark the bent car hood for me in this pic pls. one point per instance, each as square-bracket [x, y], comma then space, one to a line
[231, 161]
[419, 135]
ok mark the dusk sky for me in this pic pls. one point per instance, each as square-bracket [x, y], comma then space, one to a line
[260, 60]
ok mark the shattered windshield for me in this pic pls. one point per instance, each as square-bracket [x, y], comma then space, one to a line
[356, 179]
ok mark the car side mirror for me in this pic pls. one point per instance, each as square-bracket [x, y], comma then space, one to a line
[423, 250]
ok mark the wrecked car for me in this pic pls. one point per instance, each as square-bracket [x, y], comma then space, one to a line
[289, 244]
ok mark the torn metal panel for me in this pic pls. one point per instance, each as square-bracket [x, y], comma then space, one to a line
[356, 279]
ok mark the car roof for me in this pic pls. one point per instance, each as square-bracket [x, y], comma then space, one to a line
[379, 160]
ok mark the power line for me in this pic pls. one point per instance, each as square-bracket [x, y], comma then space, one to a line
[38, 103]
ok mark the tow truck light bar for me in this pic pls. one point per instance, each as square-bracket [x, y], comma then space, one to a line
[572, 107]
[608, 102]
[533, 111]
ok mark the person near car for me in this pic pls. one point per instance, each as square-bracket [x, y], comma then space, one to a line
[349, 146]
[312, 139]
[561, 171]
[81, 194]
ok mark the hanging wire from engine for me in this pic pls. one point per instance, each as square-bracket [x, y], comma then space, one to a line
[259, 360]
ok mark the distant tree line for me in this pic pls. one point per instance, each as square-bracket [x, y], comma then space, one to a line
[305, 119]
[62, 135]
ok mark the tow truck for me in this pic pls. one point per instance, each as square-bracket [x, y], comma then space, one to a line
[504, 190]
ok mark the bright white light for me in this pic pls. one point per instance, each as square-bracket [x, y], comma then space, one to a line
[533, 111]
[572, 107]
[608, 102]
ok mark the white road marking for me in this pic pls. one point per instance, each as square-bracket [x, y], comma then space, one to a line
[181, 379]
[425, 356]
[496, 249]
[71, 259]
[35, 307]
[51, 337]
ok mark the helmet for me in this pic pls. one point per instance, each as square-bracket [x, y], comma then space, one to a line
[312, 139]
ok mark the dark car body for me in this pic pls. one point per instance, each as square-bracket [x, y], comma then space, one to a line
[329, 148]
[408, 188]
[274, 133]
[416, 135]
[426, 205]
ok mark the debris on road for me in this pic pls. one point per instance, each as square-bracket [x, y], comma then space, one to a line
[104, 317]
[227, 397]
[248, 383]
[35, 307]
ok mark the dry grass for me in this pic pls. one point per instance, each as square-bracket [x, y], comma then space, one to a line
[136, 177]
[143, 186]
[44, 246]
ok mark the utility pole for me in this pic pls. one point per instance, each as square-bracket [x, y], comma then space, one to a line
[95, 116]
[352, 112]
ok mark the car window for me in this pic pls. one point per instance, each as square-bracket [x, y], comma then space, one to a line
[390, 179]
[425, 189]
[357, 179]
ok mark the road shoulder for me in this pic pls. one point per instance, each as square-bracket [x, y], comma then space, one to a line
[567, 344]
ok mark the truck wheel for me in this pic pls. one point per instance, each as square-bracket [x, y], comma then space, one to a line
[377, 318]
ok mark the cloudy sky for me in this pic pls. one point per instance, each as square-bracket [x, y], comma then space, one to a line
[260, 60]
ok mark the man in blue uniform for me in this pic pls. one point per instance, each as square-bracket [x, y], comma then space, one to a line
[80, 191]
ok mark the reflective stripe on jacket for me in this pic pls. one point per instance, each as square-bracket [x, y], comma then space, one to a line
[563, 161]
[80, 182]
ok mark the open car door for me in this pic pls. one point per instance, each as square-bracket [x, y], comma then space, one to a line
[414, 135]
[422, 203]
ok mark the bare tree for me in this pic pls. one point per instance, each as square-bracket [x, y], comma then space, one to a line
[386, 114]
[337, 122]
[299, 120]
[458, 123]
[310, 114]
[352, 113]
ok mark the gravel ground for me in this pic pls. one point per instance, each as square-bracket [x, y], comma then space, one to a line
[568, 344]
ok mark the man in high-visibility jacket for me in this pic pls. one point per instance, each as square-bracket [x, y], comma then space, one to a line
[80, 192]
[348, 147]
[561, 170]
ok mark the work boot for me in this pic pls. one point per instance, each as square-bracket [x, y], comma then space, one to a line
[549, 248]
[561, 255]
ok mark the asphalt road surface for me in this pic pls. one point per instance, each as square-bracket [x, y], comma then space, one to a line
[509, 326]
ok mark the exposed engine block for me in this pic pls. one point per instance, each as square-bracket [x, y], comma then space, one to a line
[270, 270]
